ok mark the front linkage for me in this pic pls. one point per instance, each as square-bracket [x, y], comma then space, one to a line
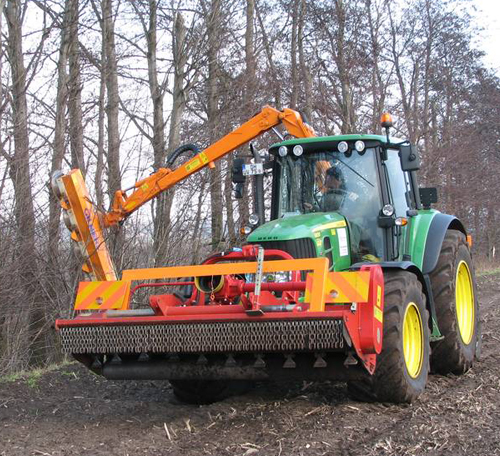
[234, 324]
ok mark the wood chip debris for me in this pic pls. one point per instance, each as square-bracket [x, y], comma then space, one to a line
[167, 431]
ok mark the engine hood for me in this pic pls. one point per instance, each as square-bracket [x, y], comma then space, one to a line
[296, 227]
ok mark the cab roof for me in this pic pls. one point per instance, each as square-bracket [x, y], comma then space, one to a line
[316, 139]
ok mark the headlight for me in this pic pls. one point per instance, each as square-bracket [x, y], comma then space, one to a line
[283, 151]
[359, 146]
[343, 146]
[298, 150]
[253, 219]
[388, 210]
[245, 230]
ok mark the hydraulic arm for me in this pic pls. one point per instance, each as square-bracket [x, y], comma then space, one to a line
[86, 223]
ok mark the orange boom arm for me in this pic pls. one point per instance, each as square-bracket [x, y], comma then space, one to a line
[165, 178]
[86, 225]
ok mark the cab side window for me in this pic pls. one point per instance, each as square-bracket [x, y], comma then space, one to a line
[399, 183]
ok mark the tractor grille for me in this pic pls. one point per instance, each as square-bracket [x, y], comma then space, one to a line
[298, 248]
[263, 336]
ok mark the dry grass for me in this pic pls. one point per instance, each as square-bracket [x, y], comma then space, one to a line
[486, 266]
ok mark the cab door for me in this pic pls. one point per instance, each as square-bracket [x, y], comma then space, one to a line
[400, 196]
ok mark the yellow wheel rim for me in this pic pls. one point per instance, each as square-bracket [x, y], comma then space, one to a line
[413, 340]
[464, 299]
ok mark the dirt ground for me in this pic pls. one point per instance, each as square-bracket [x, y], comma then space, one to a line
[71, 411]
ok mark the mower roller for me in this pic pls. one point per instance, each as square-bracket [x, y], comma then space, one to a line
[353, 278]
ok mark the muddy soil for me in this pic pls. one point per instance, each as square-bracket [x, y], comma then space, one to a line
[71, 411]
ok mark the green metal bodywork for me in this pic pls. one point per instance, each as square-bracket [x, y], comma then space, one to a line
[316, 227]
[419, 230]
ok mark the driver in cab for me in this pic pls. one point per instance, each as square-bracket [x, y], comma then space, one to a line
[334, 192]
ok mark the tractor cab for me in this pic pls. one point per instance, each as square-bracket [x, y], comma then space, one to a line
[365, 179]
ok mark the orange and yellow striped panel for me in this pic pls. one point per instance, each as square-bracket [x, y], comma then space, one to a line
[103, 295]
[342, 287]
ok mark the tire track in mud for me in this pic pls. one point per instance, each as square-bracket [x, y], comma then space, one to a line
[466, 393]
[72, 412]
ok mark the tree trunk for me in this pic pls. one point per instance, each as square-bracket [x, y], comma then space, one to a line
[293, 51]
[377, 85]
[214, 40]
[156, 91]
[59, 143]
[304, 67]
[75, 91]
[228, 197]
[347, 107]
[406, 96]
[162, 220]
[249, 104]
[250, 66]
[111, 76]
[270, 60]
[179, 95]
[20, 175]
[99, 168]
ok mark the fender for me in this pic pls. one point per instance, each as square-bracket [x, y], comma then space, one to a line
[435, 237]
[403, 265]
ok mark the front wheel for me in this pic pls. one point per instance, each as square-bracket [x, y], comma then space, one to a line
[457, 312]
[403, 365]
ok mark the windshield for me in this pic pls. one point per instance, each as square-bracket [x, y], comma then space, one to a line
[334, 182]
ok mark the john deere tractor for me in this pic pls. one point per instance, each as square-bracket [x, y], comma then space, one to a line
[353, 278]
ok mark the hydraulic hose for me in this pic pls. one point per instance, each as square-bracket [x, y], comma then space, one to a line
[193, 148]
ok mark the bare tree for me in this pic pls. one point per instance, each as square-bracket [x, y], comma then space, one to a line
[112, 112]
[293, 53]
[75, 89]
[19, 166]
[305, 70]
[213, 15]
[67, 85]
[379, 80]
[162, 219]
[59, 136]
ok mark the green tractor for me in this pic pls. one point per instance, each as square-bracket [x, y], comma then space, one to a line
[354, 277]
[431, 314]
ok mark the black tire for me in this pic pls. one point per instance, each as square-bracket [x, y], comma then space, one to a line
[208, 391]
[452, 354]
[391, 381]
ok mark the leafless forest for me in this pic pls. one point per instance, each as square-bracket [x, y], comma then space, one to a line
[113, 86]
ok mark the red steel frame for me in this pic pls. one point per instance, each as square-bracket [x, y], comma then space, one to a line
[362, 320]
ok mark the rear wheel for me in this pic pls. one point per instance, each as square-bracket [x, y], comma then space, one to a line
[208, 391]
[454, 290]
[403, 365]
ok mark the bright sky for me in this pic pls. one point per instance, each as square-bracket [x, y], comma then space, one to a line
[488, 17]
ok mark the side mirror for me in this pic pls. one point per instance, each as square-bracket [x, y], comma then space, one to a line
[428, 196]
[410, 160]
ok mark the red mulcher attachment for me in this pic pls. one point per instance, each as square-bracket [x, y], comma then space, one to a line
[253, 314]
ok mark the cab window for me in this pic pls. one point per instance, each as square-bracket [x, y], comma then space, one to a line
[398, 183]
